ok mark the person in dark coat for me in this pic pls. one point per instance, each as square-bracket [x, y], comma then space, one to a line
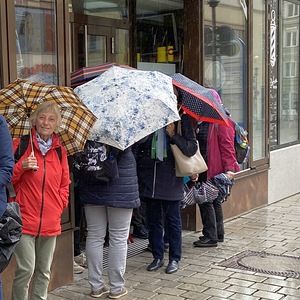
[163, 191]
[110, 205]
[6, 168]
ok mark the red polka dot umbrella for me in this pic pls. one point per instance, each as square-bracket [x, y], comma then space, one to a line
[198, 101]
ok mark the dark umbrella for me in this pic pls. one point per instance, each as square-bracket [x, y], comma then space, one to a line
[86, 74]
[10, 233]
[198, 101]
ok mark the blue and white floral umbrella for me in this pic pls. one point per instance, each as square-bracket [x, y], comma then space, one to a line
[129, 104]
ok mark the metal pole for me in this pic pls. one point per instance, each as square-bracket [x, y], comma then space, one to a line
[213, 4]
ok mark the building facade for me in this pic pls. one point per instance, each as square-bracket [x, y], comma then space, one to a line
[247, 50]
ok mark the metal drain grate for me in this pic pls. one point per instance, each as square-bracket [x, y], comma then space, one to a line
[135, 248]
[262, 262]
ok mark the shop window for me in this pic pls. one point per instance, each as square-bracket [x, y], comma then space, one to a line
[289, 81]
[36, 41]
[259, 54]
[160, 35]
[225, 58]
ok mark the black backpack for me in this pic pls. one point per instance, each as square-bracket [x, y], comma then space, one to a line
[97, 164]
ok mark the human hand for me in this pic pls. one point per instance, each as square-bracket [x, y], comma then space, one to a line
[170, 129]
[194, 177]
[230, 174]
[30, 163]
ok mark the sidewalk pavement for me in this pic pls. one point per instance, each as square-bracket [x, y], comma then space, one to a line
[259, 259]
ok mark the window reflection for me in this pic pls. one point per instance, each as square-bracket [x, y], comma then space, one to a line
[36, 41]
[259, 89]
[122, 46]
[225, 55]
[289, 81]
[160, 35]
[114, 9]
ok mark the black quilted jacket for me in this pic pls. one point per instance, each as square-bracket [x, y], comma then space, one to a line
[157, 179]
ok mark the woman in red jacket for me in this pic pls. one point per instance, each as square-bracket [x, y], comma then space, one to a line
[41, 181]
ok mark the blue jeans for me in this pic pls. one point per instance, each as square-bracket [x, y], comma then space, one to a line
[157, 211]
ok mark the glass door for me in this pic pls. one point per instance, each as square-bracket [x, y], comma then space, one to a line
[91, 45]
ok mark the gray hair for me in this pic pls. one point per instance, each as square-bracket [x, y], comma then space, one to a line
[49, 106]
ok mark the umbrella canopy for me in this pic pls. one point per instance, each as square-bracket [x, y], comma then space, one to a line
[129, 104]
[21, 97]
[86, 74]
[198, 101]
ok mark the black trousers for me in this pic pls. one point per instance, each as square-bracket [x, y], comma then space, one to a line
[138, 220]
[212, 219]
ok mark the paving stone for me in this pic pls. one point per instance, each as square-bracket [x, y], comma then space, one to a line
[290, 291]
[268, 295]
[243, 297]
[218, 293]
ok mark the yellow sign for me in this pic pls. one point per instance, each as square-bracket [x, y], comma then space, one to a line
[161, 54]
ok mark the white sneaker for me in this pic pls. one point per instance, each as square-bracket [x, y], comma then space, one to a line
[81, 259]
[77, 269]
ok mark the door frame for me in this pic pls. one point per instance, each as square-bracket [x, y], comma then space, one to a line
[98, 26]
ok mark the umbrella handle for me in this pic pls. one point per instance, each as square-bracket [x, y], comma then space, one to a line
[32, 151]
[31, 143]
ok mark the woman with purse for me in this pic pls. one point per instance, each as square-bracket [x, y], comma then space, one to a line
[162, 190]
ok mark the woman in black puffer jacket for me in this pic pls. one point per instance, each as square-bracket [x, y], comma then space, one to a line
[163, 191]
[110, 204]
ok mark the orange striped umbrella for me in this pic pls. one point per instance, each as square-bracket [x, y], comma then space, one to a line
[86, 74]
[20, 98]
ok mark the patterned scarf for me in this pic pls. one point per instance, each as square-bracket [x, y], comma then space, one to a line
[159, 145]
[44, 146]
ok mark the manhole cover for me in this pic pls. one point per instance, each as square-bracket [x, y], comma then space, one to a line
[262, 262]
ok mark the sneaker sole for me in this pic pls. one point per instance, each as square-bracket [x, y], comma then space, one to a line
[205, 245]
[111, 296]
[99, 295]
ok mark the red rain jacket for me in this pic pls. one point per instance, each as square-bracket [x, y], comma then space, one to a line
[220, 150]
[43, 194]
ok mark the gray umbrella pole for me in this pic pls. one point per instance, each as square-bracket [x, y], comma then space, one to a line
[31, 143]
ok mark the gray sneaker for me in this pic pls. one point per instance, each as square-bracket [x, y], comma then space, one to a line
[122, 293]
[77, 269]
[98, 294]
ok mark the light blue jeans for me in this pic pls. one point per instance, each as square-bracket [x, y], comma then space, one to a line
[34, 257]
[98, 217]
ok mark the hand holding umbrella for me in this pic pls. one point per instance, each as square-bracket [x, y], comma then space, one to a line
[30, 163]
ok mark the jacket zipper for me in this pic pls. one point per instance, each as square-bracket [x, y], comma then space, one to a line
[43, 195]
[154, 181]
